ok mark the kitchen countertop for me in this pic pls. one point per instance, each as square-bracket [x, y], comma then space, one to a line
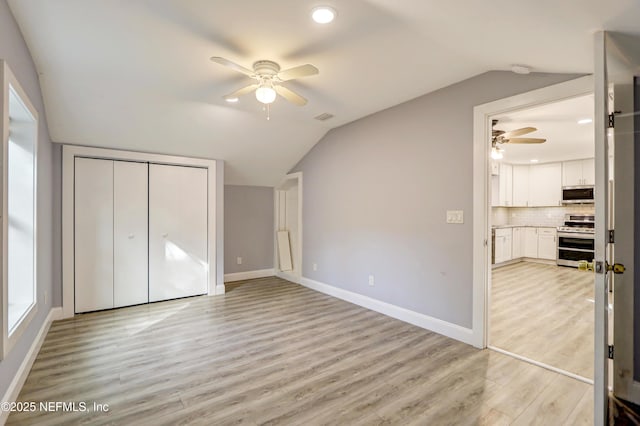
[522, 226]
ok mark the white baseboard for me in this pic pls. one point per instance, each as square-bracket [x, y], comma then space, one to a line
[21, 375]
[249, 275]
[436, 325]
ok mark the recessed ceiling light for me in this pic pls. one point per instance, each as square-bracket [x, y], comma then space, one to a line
[534, 160]
[585, 121]
[231, 100]
[520, 69]
[323, 14]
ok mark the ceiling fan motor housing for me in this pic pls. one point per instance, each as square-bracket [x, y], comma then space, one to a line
[266, 68]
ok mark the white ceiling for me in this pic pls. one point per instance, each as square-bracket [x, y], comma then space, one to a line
[136, 74]
[558, 124]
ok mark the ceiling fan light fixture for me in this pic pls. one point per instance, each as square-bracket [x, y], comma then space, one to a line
[323, 14]
[497, 153]
[265, 94]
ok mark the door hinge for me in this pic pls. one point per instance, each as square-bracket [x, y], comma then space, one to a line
[610, 351]
[612, 119]
[611, 236]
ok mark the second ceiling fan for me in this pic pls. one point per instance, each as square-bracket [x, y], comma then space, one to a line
[501, 136]
[268, 78]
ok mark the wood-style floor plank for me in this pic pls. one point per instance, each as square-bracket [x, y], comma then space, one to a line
[270, 352]
[545, 313]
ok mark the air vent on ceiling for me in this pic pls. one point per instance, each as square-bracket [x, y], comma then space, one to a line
[324, 116]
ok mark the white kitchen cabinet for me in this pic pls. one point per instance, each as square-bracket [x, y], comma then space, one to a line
[530, 246]
[578, 172]
[503, 241]
[177, 232]
[547, 243]
[130, 239]
[506, 185]
[93, 211]
[520, 186]
[545, 188]
[501, 186]
[517, 242]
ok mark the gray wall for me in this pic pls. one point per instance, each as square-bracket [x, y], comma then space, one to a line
[248, 228]
[376, 192]
[14, 50]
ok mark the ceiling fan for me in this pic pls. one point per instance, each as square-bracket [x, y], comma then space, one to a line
[500, 136]
[268, 78]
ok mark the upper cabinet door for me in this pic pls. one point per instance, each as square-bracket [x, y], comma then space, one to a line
[589, 171]
[572, 173]
[130, 220]
[178, 265]
[545, 185]
[520, 186]
[93, 208]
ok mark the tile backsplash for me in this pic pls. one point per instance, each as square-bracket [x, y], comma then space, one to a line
[537, 216]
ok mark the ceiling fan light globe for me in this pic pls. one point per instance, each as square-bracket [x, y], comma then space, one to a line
[323, 14]
[266, 95]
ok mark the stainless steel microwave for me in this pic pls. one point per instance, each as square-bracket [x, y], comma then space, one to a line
[578, 194]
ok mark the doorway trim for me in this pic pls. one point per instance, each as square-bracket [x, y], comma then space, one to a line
[481, 181]
[288, 181]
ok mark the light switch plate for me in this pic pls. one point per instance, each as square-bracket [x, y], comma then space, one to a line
[455, 216]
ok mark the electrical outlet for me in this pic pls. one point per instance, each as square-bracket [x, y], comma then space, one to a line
[315, 266]
[239, 260]
[455, 216]
[371, 280]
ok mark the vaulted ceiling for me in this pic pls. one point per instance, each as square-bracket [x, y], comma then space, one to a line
[137, 75]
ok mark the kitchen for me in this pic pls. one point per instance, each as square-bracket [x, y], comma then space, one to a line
[542, 225]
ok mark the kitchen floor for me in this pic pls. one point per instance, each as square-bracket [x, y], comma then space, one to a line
[545, 313]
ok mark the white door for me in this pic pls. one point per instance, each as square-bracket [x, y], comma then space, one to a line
[93, 209]
[588, 172]
[516, 250]
[177, 232]
[545, 187]
[616, 88]
[530, 242]
[130, 239]
[547, 243]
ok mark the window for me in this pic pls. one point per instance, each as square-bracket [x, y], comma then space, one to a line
[20, 135]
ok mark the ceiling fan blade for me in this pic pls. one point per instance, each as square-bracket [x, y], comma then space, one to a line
[290, 95]
[241, 92]
[232, 65]
[298, 72]
[525, 140]
[518, 132]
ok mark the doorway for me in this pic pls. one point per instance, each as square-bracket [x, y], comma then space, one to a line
[541, 307]
[288, 232]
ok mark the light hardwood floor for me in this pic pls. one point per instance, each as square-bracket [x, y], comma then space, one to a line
[546, 313]
[272, 352]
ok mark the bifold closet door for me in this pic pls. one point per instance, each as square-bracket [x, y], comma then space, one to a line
[130, 233]
[93, 208]
[111, 239]
[178, 265]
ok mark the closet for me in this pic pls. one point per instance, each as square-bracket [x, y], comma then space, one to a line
[140, 233]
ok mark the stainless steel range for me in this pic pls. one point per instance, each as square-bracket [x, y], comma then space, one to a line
[576, 239]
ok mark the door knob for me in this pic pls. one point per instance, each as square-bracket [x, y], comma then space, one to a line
[583, 265]
[616, 268]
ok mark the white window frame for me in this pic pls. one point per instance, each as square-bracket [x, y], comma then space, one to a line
[10, 82]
